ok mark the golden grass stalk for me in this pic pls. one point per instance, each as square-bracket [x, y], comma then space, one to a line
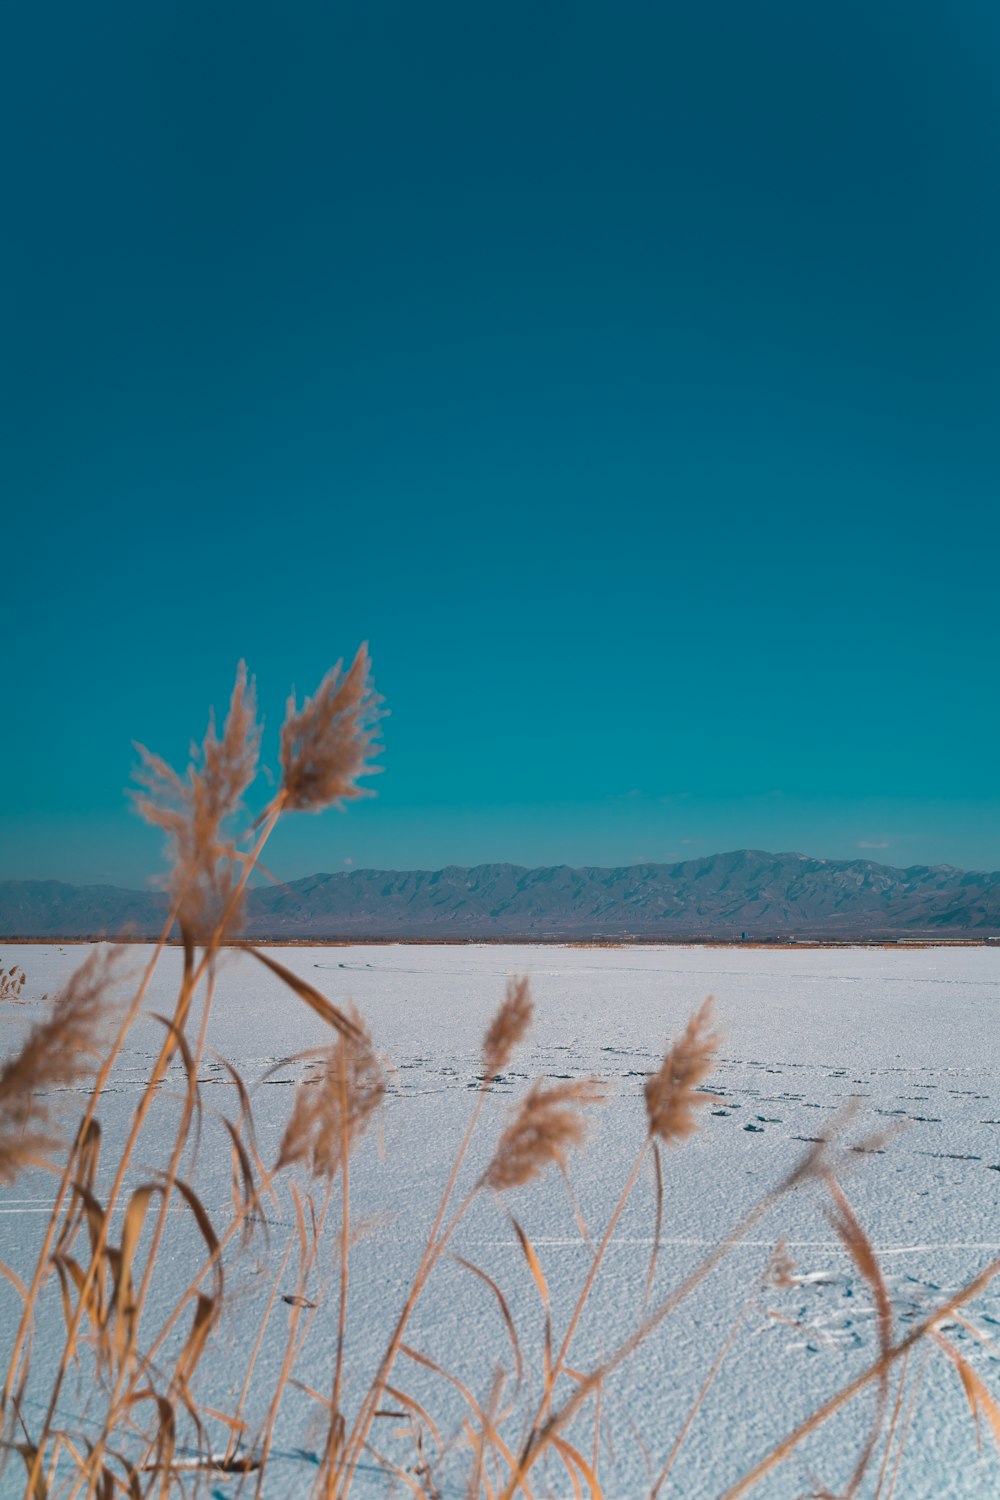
[207, 898]
[505, 1032]
[326, 745]
[310, 1234]
[324, 1008]
[146, 1366]
[329, 1116]
[873, 1372]
[981, 1402]
[860, 1249]
[907, 1423]
[505, 1312]
[541, 1436]
[702, 1393]
[670, 1104]
[216, 786]
[483, 1438]
[118, 1316]
[897, 1408]
[86, 1136]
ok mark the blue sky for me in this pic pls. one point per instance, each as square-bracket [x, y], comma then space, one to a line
[628, 376]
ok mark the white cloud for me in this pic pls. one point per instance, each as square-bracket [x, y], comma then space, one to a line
[873, 843]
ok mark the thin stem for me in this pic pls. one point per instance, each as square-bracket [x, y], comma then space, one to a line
[234, 1440]
[559, 1419]
[599, 1254]
[341, 1480]
[910, 1410]
[581, 1301]
[874, 1372]
[144, 1364]
[336, 1421]
[706, 1386]
[183, 1129]
[893, 1423]
[310, 1246]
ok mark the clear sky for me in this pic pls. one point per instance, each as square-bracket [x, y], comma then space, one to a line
[627, 374]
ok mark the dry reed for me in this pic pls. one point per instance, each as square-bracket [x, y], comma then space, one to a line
[12, 982]
[326, 745]
[58, 1053]
[194, 811]
[508, 1028]
[672, 1093]
[547, 1124]
[333, 1109]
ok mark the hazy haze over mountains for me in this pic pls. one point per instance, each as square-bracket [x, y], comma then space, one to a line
[721, 895]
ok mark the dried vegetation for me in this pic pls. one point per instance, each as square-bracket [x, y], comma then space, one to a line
[155, 1423]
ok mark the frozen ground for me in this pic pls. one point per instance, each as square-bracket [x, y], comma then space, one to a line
[912, 1034]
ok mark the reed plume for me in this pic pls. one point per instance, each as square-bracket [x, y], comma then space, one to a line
[548, 1123]
[508, 1028]
[56, 1054]
[193, 811]
[672, 1093]
[331, 1113]
[781, 1268]
[12, 982]
[325, 745]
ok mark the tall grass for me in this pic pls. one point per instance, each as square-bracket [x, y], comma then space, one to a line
[136, 1339]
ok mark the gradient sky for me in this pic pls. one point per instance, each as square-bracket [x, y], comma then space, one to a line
[627, 375]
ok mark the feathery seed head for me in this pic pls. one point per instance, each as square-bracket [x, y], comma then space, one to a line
[57, 1053]
[326, 744]
[672, 1093]
[548, 1123]
[192, 810]
[508, 1027]
[781, 1268]
[336, 1108]
[11, 982]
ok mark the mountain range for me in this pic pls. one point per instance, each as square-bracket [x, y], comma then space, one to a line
[721, 896]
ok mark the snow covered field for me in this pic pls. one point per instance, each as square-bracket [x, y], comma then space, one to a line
[912, 1034]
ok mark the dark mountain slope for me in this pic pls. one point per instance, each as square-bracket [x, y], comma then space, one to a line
[748, 890]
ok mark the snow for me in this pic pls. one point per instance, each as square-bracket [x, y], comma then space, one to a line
[910, 1034]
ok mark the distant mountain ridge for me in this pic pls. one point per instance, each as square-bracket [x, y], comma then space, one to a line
[721, 895]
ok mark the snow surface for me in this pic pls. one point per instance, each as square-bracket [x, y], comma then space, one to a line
[911, 1034]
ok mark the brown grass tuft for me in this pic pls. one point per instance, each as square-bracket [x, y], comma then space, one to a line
[326, 744]
[781, 1268]
[548, 1123]
[672, 1093]
[335, 1109]
[508, 1028]
[12, 982]
[57, 1053]
[193, 810]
